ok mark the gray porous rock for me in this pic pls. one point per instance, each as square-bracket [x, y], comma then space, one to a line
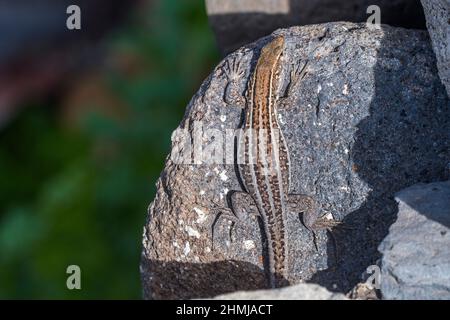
[369, 118]
[437, 13]
[416, 252]
[302, 291]
[239, 22]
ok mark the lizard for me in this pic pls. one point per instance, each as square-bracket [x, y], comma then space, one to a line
[263, 163]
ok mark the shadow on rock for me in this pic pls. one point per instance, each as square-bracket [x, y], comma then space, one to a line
[403, 141]
[200, 280]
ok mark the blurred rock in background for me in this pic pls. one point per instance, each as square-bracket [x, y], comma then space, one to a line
[37, 50]
[238, 22]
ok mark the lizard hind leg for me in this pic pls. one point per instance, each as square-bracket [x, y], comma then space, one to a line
[240, 204]
[305, 205]
[311, 219]
[219, 213]
[300, 203]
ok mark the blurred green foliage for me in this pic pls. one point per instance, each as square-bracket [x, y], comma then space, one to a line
[79, 196]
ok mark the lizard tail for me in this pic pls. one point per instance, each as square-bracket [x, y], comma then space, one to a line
[277, 263]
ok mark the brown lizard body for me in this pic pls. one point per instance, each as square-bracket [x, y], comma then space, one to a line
[264, 164]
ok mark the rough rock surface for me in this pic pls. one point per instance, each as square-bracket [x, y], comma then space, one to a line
[303, 291]
[239, 22]
[369, 119]
[416, 253]
[437, 13]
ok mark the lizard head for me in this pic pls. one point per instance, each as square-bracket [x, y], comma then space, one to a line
[272, 52]
[276, 46]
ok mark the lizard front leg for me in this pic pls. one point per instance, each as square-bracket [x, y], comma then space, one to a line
[233, 93]
[296, 74]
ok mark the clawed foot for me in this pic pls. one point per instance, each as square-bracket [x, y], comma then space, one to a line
[243, 206]
[233, 71]
[325, 223]
[298, 72]
[218, 213]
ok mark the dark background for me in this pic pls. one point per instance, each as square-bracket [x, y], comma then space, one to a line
[86, 119]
